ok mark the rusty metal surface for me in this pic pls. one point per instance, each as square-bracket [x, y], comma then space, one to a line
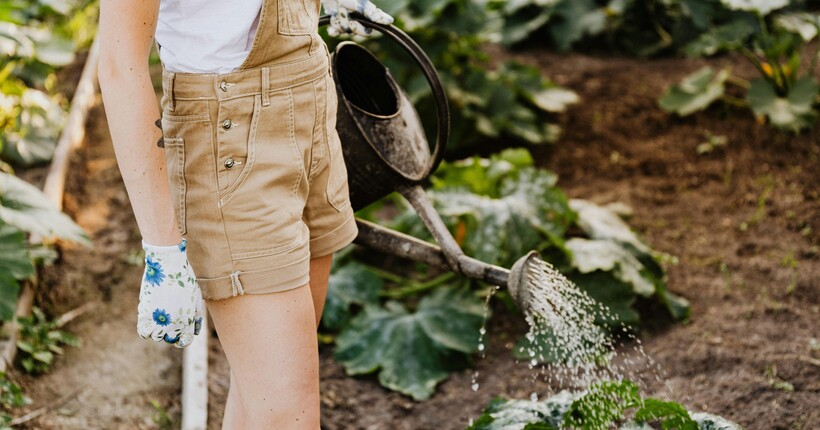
[418, 199]
[406, 246]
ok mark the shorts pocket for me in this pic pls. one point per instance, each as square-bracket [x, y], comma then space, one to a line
[178, 132]
[338, 194]
[297, 16]
[175, 164]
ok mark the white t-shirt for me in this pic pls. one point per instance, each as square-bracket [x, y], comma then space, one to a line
[206, 36]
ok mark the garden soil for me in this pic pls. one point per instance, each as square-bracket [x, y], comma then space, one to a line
[742, 221]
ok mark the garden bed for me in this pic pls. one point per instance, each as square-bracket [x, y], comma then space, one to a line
[743, 221]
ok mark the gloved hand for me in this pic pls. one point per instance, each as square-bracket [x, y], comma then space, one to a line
[171, 306]
[340, 22]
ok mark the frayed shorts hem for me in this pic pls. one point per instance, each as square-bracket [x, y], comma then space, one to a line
[284, 277]
[335, 239]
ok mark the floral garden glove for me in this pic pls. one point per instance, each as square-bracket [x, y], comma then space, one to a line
[340, 21]
[171, 306]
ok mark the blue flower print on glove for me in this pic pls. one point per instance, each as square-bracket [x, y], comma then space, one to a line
[171, 307]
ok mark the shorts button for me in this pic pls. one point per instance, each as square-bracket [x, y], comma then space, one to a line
[229, 163]
[223, 86]
[227, 124]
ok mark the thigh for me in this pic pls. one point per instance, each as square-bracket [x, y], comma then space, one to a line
[270, 343]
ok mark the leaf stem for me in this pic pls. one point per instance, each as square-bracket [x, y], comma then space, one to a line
[734, 101]
[384, 274]
[417, 287]
[736, 80]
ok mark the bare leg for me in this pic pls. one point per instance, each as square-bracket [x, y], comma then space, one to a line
[270, 343]
[319, 274]
[234, 416]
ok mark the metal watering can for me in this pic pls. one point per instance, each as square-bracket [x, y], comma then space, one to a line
[385, 150]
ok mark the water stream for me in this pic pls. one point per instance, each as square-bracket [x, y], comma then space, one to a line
[569, 347]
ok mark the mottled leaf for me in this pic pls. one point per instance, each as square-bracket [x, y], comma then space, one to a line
[9, 290]
[349, 284]
[763, 7]
[24, 206]
[794, 112]
[695, 92]
[509, 414]
[14, 257]
[589, 255]
[671, 415]
[413, 351]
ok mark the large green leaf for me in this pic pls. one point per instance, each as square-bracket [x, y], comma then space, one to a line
[38, 123]
[763, 7]
[589, 255]
[554, 99]
[671, 415]
[803, 23]
[24, 206]
[509, 414]
[726, 37]
[602, 223]
[9, 289]
[15, 42]
[51, 48]
[602, 406]
[530, 213]
[695, 92]
[498, 208]
[618, 296]
[794, 112]
[350, 284]
[14, 258]
[579, 18]
[413, 351]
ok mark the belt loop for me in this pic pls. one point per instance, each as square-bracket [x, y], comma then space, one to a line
[265, 86]
[236, 285]
[168, 88]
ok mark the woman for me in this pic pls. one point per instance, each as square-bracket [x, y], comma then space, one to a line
[241, 194]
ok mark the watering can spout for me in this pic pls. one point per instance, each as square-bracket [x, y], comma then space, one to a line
[519, 280]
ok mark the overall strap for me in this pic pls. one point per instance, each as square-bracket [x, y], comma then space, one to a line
[287, 31]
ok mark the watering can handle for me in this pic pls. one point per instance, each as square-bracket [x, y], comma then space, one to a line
[415, 51]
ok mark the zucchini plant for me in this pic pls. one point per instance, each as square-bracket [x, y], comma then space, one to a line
[774, 39]
[604, 405]
[414, 326]
[37, 38]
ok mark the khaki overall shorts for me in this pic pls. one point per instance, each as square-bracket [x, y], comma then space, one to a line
[254, 161]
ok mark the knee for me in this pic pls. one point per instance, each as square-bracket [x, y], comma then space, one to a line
[300, 413]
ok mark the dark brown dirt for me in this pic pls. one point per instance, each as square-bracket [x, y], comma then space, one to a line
[743, 222]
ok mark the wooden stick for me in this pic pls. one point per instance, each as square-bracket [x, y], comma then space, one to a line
[72, 314]
[23, 309]
[71, 137]
[195, 381]
[74, 133]
[43, 409]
